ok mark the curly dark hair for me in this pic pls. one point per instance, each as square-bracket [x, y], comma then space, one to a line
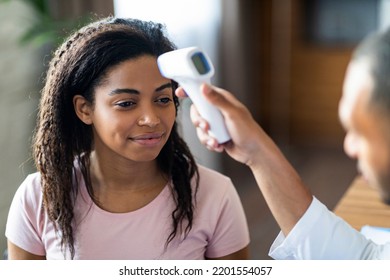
[61, 138]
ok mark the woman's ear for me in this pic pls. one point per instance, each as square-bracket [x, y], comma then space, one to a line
[83, 109]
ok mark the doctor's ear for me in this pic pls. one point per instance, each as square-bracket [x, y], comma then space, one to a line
[83, 109]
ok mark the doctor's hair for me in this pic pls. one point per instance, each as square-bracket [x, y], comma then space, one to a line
[62, 141]
[375, 49]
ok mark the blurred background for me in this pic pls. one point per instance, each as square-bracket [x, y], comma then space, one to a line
[284, 59]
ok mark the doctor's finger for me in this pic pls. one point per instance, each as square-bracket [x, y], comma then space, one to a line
[197, 119]
[179, 92]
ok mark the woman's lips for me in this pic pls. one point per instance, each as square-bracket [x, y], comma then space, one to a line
[149, 139]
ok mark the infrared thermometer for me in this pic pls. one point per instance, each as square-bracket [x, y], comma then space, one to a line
[190, 67]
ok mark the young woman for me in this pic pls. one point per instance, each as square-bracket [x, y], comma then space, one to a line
[115, 180]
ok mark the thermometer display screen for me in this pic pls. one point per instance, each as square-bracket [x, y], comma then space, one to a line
[200, 63]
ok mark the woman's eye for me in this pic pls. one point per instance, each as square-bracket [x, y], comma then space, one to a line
[164, 100]
[125, 104]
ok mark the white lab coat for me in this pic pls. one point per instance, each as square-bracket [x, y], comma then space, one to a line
[320, 234]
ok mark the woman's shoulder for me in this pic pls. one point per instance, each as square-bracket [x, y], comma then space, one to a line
[213, 181]
[32, 182]
[206, 173]
[29, 191]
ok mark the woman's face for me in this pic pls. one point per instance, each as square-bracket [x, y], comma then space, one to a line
[134, 111]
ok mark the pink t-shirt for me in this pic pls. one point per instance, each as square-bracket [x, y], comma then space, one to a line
[219, 226]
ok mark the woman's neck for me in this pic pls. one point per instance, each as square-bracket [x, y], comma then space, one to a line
[122, 173]
[122, 186]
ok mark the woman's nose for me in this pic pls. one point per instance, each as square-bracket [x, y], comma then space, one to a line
[148, 118]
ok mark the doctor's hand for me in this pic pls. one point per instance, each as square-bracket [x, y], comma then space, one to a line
[248, 139]
[286, 195]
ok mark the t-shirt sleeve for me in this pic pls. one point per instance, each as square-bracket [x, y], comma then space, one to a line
[231, 232]
[320, 234]
[23, 223]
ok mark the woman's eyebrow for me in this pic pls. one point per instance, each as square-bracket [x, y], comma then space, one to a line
[124, 90]
[134, 91]
[164, 86]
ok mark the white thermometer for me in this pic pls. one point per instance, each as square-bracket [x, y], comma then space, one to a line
[191, 67]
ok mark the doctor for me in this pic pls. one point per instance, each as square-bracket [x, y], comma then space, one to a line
[308, 229]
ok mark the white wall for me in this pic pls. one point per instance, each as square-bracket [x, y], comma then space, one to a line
[19, 72]
[384, 14]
